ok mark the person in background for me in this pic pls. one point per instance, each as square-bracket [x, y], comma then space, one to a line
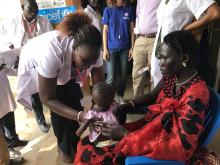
[179, 15]
[7, 106]
[19, 31]
[118, 41]
[52, 64]
[109, 3]
[175, 112]
[92, 9]
[145, 31]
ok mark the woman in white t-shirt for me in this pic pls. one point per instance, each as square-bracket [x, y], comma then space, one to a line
[51, 64]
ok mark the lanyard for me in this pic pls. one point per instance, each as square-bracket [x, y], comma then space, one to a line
[81, 77]
[29, 27]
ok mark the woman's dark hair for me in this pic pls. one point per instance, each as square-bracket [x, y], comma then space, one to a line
[183, 42]
[79, 26]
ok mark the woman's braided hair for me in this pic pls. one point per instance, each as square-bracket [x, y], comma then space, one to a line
[183, 42]
[79, 26]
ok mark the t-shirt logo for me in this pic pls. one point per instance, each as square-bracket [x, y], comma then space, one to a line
[126, 16]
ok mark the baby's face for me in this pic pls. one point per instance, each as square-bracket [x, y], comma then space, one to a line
[100, 102]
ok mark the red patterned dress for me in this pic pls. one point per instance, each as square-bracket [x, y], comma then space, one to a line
[169, 131]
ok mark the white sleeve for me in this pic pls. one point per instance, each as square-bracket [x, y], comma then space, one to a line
[198, 7]
[136, 29]
[50, 62]
[87, 12]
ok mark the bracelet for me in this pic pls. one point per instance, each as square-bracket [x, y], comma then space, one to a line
[78, 116]
[132, 103]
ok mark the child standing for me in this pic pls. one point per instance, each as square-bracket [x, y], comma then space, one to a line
[118, 41]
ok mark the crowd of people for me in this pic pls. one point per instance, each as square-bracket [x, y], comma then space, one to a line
[161, 38]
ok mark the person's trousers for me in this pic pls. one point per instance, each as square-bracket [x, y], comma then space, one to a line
[7, 123]
[37, 108]
[64, 128]
[117, 65]
[141, 58]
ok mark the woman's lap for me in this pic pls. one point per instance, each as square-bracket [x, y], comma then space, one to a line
[88, 153]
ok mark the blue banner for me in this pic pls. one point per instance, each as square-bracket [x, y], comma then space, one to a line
[55, 15]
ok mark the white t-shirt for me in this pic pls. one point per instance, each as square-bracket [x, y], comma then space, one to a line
[50, 55]
[174, 15]
[96, 18]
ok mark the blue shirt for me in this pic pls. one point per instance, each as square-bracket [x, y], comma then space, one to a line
[118, 20]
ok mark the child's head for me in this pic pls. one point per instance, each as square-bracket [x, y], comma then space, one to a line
[103, 94]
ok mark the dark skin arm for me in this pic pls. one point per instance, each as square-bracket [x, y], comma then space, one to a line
[146, 100]
[149, 98]
[47, 92]
[211, 14]
[83, 127]
[97, 75]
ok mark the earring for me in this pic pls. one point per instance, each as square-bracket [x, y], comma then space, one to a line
[184, 64]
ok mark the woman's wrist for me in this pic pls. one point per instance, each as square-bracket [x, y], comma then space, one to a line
[105, 49]
[79, 118]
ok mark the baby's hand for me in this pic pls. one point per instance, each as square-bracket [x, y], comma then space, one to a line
[96, 123]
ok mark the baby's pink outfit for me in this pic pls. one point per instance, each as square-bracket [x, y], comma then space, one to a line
[108, 117]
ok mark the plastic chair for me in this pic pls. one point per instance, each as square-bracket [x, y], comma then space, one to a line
[211, 125]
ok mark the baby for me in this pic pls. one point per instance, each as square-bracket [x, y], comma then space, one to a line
[103, 96]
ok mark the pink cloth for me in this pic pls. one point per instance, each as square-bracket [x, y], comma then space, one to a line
[107, 116]
[146, 21]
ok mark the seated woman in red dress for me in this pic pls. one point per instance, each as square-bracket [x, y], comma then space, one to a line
[175, 111]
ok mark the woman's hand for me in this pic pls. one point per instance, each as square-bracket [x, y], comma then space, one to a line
[95, 124]
[106, 55]
[114, 132]
[130, 56]
[81, 116]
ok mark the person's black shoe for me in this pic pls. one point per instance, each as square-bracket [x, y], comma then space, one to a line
[18, 143]
[44, 127]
